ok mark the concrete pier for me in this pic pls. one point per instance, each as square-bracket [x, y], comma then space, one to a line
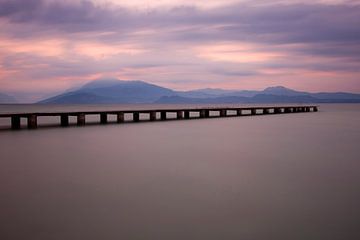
[163, 115]
[120, 117]
[136, 116]
[180, 113]
[15, 122]
[153, 116]
[81, 119]
[223, 113]
[103, 118]
[277, 110]
[187, 114]
[32, 121]
[64, 120]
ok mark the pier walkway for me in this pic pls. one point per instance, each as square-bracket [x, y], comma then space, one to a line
[152, 114]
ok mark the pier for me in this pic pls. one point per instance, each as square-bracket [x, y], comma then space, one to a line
[152, 114]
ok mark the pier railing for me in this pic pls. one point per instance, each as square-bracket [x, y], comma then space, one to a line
[182, 113]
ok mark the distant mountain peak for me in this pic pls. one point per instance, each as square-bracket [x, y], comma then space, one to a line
[277, 88]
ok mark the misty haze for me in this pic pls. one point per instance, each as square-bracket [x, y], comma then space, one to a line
[218, 119]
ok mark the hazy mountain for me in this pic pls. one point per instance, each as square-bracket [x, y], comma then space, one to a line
[116, 91]
[283, 91]
[4, 98]
[113, 91]
[259, 98]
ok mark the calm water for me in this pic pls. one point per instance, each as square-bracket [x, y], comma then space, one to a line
[294, 176]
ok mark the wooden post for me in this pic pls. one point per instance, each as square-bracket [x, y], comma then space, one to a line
[64, 120]
[202, 113]
[238, 112]
[152, 116]
[253, 111]
[103, 118]
[136, 116]
[179, 114]
[277, 110]
[265, 111]
[187, 114]
[287, 110]
[15, 122]
[32, 121]
[120, 117]
[223, 113]
[307, 109]
[163, 115]
[81, 119]
[315, 109]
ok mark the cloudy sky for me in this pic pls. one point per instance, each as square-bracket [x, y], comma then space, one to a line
[47, 46]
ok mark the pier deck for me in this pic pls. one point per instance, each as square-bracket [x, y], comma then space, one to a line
[181, 113]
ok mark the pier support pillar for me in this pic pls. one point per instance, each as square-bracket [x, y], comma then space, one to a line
[287, 110]
[277, 110]
[307, 109]
[315, 109]
[163, 115]
[120, 117]
[238, 112]
[64, 120]
[202, 113]
[103, 118]
[295, 109]
[81, 119]
[179, 114]
[187, 114]
[253, 111]
[207, 113]
[266, 111]
[32, 121]
[15, 122]
[223, 113]
[136, 116]
[152, 116]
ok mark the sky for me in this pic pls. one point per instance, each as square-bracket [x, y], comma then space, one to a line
[48, 46]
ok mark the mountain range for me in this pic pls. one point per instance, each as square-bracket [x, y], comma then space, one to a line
[5, 98]
[116, 91]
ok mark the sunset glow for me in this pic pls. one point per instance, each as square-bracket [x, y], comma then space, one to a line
[48, 46]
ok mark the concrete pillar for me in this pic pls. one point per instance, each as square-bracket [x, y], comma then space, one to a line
[238, 112]
[202, 113]
[120, 117]
[253, 111]
[81, 119]
[64, 120]
[223, 113]
[315, 109]
[32, 121]
[152, 116]
[15, 122]
[179, 114]
[103, 118]
[187, 114]
[136, 116]
[163, 115]
[266, 111]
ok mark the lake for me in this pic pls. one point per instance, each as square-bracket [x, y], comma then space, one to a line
[287, 176]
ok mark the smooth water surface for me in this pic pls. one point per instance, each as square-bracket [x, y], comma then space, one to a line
[287, 176]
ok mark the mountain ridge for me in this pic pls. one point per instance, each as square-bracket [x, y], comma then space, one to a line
[117, 91]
